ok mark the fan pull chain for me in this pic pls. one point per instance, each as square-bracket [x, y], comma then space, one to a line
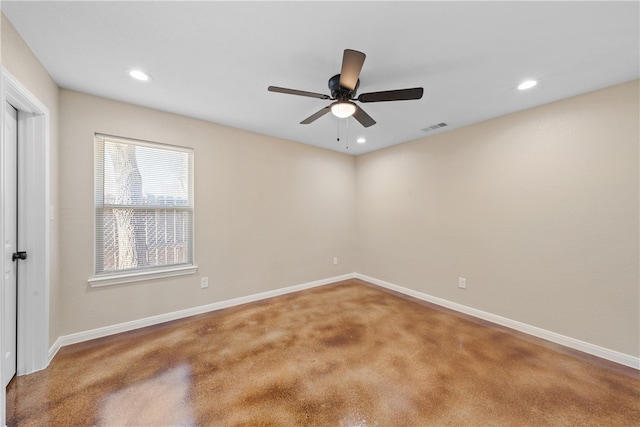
[347, 121]
[338, 131]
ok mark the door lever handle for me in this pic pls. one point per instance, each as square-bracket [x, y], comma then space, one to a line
[19, 255]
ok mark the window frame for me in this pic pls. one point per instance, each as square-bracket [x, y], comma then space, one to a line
[103, 278]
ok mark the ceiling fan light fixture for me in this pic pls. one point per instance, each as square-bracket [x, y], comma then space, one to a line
[343, 109]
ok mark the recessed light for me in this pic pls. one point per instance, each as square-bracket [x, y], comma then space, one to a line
[527, 84]
[361, 140]
[139, 75]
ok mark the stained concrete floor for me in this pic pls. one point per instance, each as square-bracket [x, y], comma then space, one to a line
[348, 354]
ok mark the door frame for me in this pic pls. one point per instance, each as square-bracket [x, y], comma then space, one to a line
[34, 228]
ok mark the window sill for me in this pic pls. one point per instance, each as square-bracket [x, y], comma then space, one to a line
[118, 279]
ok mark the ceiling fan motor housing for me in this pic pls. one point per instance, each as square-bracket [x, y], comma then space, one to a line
[341, 93]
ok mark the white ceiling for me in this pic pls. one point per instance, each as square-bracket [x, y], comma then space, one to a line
[215, 60]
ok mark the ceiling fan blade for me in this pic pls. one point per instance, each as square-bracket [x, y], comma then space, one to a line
[352, 61]
[297, 92]
[315, 116]
[364, 119]
[392, 95]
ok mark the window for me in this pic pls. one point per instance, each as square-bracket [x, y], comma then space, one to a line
[143, 210]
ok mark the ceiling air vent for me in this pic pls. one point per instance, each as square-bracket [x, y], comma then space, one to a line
[434, 127]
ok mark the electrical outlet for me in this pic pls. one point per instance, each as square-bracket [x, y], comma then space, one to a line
[462, 283]
[204, 282]
[335, 260]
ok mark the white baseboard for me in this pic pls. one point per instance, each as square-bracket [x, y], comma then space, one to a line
[161, 318]
[585, 347]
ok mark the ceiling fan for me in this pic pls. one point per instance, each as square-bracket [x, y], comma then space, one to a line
[343, 89]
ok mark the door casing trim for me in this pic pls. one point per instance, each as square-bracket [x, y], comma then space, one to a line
[34, 228]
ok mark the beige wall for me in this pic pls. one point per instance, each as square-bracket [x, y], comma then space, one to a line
[18, 59]
[269, 213]
[538, 210]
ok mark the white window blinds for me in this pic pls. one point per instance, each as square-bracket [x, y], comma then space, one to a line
[143, 206]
